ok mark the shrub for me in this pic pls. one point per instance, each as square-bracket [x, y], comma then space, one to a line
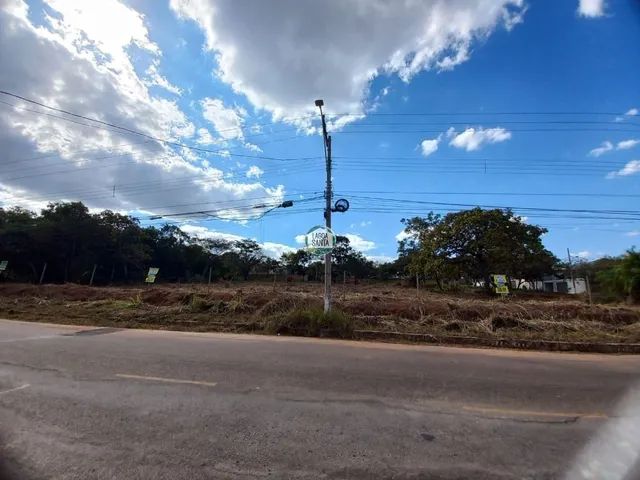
[312, 322]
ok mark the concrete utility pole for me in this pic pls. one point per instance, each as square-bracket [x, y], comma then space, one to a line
[573, 280]
[327, 210]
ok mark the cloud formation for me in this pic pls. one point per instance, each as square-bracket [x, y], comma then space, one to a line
[607, 146]
[254, 172]
[591, 8]
[283, 64]
[427, 147]
[474, 139]
[85, 47]
[602, 149]
[631, 168]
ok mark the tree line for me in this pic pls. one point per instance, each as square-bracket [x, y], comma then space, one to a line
[460, 248]
[67, 242]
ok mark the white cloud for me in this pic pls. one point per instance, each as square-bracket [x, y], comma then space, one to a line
[473, 139]
[254, 172]
[581, 254]
[204, 137]
[381, 258]
[227, 121]
[631, 168]
[430, 146]
[275, 250]
[282, 69]
[154, 78]
[627, 144]
[632, 112]
[402, 235]
[360, 244]
[591, 8]
[84, 48]
[603, 148]
[364, 223]
[607, 146]
[300, 239]
[270, 249]
[201, 232]
[633, 233]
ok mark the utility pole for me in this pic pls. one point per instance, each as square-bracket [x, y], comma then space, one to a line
[327, 211]
[573, 280]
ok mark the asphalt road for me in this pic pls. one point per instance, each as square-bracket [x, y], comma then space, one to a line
[78, 403]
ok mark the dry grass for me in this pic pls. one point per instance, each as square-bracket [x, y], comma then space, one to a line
[293, 309]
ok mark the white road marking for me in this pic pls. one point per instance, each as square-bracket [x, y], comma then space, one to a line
[165, 380]
[21, 387]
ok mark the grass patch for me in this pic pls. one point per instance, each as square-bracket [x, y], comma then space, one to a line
[312, 322]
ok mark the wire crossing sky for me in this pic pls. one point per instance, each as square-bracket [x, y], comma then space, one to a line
[202, 114]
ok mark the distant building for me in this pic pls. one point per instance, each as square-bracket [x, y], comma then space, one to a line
[557, 284]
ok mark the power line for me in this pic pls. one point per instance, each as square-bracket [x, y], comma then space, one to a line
[519, 130]
[502, 207]
[513, 112]
[555, 194]
[135, 132]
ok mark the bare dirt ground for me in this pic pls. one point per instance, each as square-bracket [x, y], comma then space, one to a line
[291, 308]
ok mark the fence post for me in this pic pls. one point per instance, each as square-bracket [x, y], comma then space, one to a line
[588, 288]
[93, 273]
[44, 269]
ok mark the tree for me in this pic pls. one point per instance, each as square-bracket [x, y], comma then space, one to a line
[296, 262]
[623, 278]
[347, 260]
[246, 254]
[473, 244]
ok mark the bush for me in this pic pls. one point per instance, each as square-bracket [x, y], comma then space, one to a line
[312, 322]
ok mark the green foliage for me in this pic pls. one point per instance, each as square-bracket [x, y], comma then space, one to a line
[296, 262]
[312, 322]
[135, 302]
[71, 241]
[471, 245]
[622, 277]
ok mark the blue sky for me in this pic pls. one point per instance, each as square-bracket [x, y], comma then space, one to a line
[499, 103]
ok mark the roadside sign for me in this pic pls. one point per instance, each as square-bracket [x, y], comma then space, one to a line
[501, 284]
[320, 240]
[151, 276]
[3, 265]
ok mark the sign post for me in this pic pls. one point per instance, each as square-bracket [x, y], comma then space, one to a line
[320, 240]
[501, 284]
[151, 276]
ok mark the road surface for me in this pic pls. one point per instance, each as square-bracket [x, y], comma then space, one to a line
[82, 403]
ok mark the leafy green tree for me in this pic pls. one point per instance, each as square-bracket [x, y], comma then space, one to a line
[245, 255]
[473, 244]
[296, 262]
[347, 260]
[623, 277]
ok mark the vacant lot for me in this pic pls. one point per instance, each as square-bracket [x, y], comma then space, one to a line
[294, 309]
